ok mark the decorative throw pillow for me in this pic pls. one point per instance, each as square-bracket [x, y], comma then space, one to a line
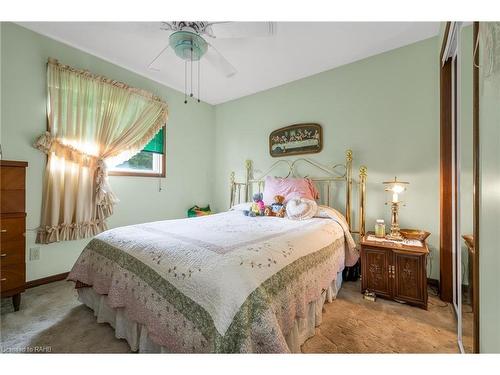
[196, 211]
[289, 188]
[301, 208]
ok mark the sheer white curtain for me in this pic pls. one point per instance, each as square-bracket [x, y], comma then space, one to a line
[93, 122]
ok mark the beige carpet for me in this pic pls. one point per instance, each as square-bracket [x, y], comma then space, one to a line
[354, 325]
[51, 319]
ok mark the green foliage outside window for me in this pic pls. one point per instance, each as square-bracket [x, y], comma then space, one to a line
[144, 159]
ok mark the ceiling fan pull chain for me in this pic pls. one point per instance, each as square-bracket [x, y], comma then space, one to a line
[191, 95]
[185, 82]
[199, 62]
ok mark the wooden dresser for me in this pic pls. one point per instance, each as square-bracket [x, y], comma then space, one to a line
[13, 229]
[395, 271]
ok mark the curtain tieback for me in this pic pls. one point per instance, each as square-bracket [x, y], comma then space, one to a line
[101, 174]
[105, 198]
[44, 142]
[48, 144]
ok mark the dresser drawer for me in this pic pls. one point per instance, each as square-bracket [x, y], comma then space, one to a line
[12, 252]
[11, 277]
[12, 201]
[12, 229]
[12, 178]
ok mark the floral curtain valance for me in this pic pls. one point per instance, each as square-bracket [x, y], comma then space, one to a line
[93, 122]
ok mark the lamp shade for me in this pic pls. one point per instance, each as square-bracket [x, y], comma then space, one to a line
[395, 186]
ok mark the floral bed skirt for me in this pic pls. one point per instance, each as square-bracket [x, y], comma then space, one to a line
[138, 338]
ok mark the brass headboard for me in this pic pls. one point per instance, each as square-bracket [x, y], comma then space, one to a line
[337, 173]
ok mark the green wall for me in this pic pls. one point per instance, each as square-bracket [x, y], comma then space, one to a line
[23, 96]
[489, 219]
[385, 108]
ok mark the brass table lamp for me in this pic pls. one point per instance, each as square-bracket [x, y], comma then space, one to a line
[396, 187]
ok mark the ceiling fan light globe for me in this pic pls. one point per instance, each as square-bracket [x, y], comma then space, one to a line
[188, 45]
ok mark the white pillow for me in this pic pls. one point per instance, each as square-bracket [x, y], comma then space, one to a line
[301, 208]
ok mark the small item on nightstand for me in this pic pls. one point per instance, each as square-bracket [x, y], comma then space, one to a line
[380, 228]
[414, 234]
[369, 296]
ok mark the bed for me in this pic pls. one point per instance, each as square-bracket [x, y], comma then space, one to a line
[224, 283]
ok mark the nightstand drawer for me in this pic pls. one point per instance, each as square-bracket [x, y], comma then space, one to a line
[11, 276]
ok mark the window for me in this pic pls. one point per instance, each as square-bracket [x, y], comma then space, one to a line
[150, 162]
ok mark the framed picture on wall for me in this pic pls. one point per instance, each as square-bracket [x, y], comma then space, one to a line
[296, 139]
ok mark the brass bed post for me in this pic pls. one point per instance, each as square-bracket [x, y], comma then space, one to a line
[232, 191]
[348, 188]
[248, 167]
[362, 199]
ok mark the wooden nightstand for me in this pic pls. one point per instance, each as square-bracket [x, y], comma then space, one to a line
[395, 270]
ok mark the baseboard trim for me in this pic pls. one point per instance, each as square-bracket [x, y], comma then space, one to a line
[46, 280]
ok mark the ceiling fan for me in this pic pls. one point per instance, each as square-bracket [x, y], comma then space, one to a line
[188, 40]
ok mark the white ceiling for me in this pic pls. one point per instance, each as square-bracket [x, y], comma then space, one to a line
[297, 50]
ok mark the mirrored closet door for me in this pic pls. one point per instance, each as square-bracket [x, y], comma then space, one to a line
[458, 66]
[465, 238]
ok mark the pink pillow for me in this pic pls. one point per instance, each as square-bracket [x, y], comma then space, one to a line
[289, 188]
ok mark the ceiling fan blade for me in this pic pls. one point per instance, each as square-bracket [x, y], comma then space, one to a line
[208, 30]
[219, 62]
[167, 26]
[223, 30]
[151, 64]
